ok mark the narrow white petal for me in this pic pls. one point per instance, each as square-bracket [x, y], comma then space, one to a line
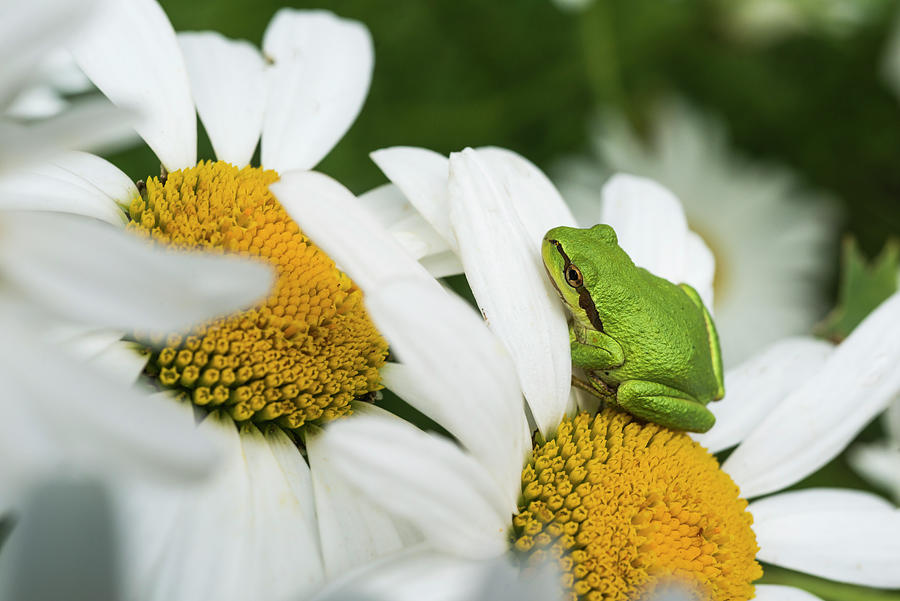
[813, 424]
[779, 592]
[121, 361]
[131, 54]
[284, 551]
[755, 387]
[879, 464]
[649, 223]
[316, 86]
[90, 272]
[73, 182]
[37, 102]
[511, 287]
[353, 530]
[840, 535]
[424, 479]
[332, 218]
[422, 176]
[229, 86]
[456, 372]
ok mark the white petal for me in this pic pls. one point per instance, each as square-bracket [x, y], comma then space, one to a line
[387, 205]
[74, 182]
[754, 388]
[422, 176]
[333, 219]
[456, 372]
[649, 223]
[534, 197]
[815, 422]
[121, 361]
[879, 464]
[28, 32]
[424, 479]
[284, 549]
[37, 102]
[442, 264]
[317, 85]
[353, 530]
[87, 125]
[88, 271]
[107, 428]
[512, 290]
[847, 536]
[700, 268]
[131, 54]
[892, 420]
[229, 86]
[778, 592]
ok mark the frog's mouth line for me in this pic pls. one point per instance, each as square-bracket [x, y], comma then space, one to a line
[584, 297]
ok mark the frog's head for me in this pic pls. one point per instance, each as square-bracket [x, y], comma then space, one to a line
[577, 261]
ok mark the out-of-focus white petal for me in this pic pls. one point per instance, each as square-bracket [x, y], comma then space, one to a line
[90, 272]
[131, 54]
[442, 264]
[849, 536]
[754, 388]
[387, 205]
[106, 428]
[506, 274]
[892, 420]
[424, 479]
[37, 102]
[879, 464]
[73, 182]
[456, 372]
[778, 592]
[649, 223]
[422, 176]
[353, 530]
[30, 31]
[87, 125]
[423, 574]
[815, 422]
[317, 85]
[700, 268]
[121, 361]
[332, 218]
[229, 86]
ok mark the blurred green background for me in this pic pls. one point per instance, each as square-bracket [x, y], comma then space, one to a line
[798, 82]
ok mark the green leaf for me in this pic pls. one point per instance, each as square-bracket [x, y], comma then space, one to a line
[864, 286]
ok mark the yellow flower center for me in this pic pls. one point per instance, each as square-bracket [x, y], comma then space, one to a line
[627, 507]
[301, 355]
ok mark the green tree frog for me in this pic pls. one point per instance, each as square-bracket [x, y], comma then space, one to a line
[646, 345]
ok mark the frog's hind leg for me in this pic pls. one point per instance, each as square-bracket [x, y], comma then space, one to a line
[664, 405]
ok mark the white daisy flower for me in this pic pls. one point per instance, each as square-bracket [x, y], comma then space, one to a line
[770, 239]
[111, 281]
[594, 490]
[272, 522]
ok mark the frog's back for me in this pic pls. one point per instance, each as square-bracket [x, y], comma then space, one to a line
[663, 334]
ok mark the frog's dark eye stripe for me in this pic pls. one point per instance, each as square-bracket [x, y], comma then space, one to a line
[573, 276]
[577, 281]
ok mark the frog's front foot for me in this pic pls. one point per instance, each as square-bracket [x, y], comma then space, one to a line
[664, 405]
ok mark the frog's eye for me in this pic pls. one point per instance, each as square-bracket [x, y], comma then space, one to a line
[573, 276]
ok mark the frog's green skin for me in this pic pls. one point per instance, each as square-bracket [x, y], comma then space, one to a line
[647, 345]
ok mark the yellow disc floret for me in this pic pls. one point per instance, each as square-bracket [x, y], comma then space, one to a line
[627, 507]
[301, 355]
